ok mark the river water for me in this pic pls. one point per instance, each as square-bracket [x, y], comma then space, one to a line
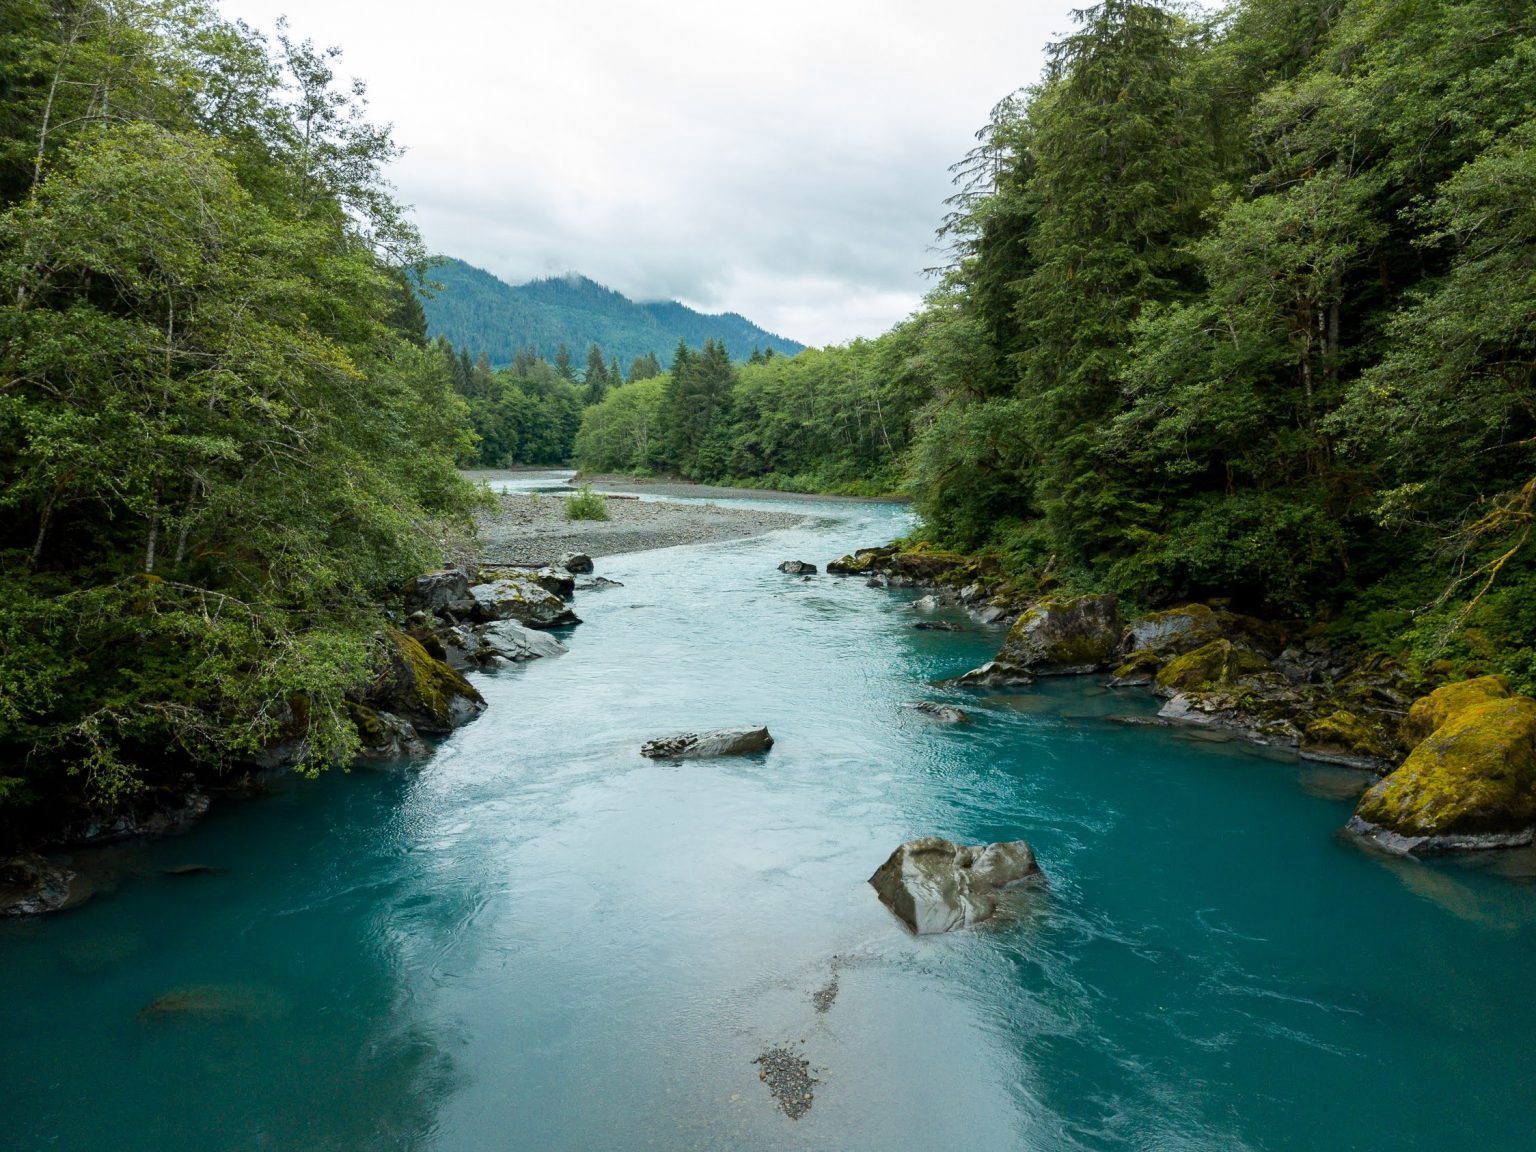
[540, 940]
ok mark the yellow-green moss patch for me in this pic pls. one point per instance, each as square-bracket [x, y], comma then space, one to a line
[1444, 704]
[1208, 666]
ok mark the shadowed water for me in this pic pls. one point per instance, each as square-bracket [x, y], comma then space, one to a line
[540, 940]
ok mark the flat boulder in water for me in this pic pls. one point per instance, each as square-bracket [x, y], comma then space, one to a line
[701, 745]
[993, 674]
[934, 885]
[523, 600]
[511, 641]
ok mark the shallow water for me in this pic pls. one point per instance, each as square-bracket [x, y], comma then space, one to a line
[540, 940]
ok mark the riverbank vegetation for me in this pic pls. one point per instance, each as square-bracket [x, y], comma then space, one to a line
[1240, 307]
[223, 437]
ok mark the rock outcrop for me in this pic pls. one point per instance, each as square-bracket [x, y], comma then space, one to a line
[386, 736]
[935, 885]
[522, 599]
[702, 745]
[30, 884]
[1056, 637]
[511, 641]
[421, 689]
[1471, 783]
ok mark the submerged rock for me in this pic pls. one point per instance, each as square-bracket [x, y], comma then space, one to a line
[577, 562]
[797, 568]
[598, 584]
[1064, 637]
[1470, 784]
[935, 885]
[511, 641]
[938, 626]
[700, 745]
[943, 713]
[523, 600]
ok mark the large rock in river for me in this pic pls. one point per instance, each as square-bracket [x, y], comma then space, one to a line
[1210, 666]
[432, 592]
[935, 885]
[699, 745]
[421, 689]
[1172, 631]
[522, 599]
[1063, 637]
[511, 641]
[30, 884]
[1428, 713]
[1470, 784]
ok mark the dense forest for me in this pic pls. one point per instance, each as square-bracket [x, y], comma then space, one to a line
[224, 439]
[477, 312]
[1237, 307]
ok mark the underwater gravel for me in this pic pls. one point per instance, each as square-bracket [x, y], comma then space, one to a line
[788, 1076]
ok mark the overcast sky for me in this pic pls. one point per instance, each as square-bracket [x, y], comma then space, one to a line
[784, 160]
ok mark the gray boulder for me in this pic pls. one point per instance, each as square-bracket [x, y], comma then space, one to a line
[432, 592]
[993, 674]
[935, 885]
[797, 568]
[598, 584]
[386, 736]
[1064, 637]
[29, 884]
[700, 745]
[521, 599]
[511, 641]
[942, 713]
[555, 581]
[577, 562]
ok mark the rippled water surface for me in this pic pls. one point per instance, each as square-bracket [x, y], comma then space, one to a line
[540, 940]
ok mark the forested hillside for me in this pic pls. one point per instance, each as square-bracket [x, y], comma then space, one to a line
[1241, 307]
[477, 312]
[223, 439]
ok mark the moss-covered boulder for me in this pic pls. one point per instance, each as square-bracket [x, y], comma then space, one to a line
[1057, 637]
[1344, 738]
[1137, 670]
[863, 561]
[1471, 783]
[1218, 663]
[1172, 632]
[1444, 704]
[422, 690]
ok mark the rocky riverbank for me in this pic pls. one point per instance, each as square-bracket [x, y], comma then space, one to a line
[1443, 767]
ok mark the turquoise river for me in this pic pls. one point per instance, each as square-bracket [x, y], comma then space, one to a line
[540, 940]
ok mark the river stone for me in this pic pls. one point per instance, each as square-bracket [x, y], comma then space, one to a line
[577, 562]
[555, 581]
[521, 599]
[700, 745]
[509, 639]
[1171, 632]
[598, 584]
[935, 885]
[1064, 637]
[432, 592]
[943, 713]
[462, 647]
[938, 626]
[1472, 783]
[797, 568]
[423, 690]
[993, 674]
[29, 884]
[386, 736]
[928, 603]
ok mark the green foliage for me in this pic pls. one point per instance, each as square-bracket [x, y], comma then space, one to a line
[586, 505]
[222, 440]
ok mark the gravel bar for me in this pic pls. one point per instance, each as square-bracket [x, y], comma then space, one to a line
[533, 529]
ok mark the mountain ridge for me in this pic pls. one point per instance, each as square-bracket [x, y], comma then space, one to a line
[479, 312]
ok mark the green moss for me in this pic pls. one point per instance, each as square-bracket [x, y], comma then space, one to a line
[1475, 774]
[1345, 732]
[1443, 704]
[1208, 666]
[1143, 662]
[431, 684]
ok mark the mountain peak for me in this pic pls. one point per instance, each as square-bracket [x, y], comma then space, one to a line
[479, 312]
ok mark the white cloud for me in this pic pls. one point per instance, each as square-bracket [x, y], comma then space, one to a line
[787, 161]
